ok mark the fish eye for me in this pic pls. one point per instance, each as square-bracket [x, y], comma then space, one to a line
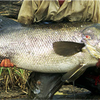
[88, 37]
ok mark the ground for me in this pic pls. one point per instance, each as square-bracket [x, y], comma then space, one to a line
[65, 92]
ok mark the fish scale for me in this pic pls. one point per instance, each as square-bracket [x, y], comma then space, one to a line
[52, 48]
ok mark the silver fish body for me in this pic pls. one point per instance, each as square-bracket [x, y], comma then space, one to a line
[32, 47]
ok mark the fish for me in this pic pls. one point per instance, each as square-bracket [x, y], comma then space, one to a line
[49, 48]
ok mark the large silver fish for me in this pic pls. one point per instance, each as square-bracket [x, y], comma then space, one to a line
[50, 48]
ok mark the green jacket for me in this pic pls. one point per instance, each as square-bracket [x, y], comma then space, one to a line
[46, 10]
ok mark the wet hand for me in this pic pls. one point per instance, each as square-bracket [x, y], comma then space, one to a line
[6, 63]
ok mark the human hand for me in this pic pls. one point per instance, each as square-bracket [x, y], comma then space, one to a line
[6, 63]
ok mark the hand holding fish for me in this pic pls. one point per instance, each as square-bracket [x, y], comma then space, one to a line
[6, 63]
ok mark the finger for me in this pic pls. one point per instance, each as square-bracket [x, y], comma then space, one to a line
[7, 63]
[2, 63]
[11, 65]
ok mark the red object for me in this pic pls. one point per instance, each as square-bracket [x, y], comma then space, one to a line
[98, 63]
[61, 2]
[6, 63]
[88, 37]
[96, 78]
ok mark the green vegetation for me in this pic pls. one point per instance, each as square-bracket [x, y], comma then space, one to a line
[11, 78]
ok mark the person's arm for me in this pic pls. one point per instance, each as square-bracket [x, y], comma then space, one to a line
[26, 13]
[96, 12]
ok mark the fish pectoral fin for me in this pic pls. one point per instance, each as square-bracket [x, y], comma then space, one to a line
[66, 48]
[74, 74]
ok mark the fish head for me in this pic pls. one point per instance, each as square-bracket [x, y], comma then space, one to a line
[91, 36]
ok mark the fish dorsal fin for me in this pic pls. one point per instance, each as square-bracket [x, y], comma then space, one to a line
[66, 48]
[6, 22]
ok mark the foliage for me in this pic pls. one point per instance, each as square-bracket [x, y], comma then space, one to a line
[10, 78]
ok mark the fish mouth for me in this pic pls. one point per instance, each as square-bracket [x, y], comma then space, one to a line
[91, 40]
[91, 49]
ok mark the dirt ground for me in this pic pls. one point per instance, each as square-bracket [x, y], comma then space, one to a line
[64, 93]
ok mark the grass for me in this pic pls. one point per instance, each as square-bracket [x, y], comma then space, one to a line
[10, 78]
